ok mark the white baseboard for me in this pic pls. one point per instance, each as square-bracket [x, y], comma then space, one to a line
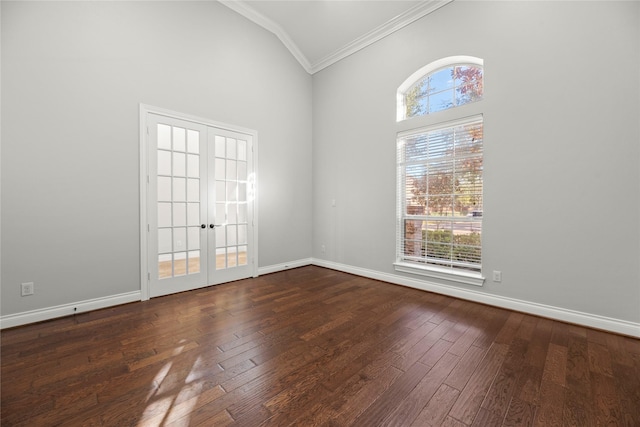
[33, 316]
[558, 313]
[570, 316]
[286, 266]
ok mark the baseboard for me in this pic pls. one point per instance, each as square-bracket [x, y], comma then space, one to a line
[286, 266]
[570, 316]
[18, 319]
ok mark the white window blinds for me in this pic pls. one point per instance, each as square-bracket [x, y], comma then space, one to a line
[440, 195]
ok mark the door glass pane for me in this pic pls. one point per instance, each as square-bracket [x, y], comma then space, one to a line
[242, 234]
[242, 171]
[180, 264]
[231, 235]
[193, 141]
[165, 265]
[193, 166]
[220, 191]
[193, 190]
[242, 192]
[164, 189]
[231, 191]
[242, 150]
[193, 238]
[242, 212]
[221, 258]
[193, 213]
[164, 136]
[231, 148]
[164, 162]
[164, 214]
[179, 214]
[220, 169]
[179, 190]
[179, 139]
[242, 255]
[232, 216]
[179, 239]
[232, 260]
[231, 169]
[220, 237]
[164, 240]
[220, 213]
[179, 164]
[194, 262]
[220, 146]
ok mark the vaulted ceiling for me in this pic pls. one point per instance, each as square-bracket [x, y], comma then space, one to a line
[321, 32]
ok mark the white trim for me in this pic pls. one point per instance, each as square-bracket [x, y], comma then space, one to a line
[557, 313]
[285, 266]
[143, 182]
[475, 279]
[18, 319]
[413, 14]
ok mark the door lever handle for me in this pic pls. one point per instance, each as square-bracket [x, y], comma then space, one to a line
[214, 225]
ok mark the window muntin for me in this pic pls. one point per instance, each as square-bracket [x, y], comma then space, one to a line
[440, 196]
[443, 89]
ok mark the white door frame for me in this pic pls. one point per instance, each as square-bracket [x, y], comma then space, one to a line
[144, 185]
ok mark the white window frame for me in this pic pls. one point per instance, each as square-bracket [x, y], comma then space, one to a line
[462, 117]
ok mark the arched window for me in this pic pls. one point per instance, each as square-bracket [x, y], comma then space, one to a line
[440, 85]
[440, 173]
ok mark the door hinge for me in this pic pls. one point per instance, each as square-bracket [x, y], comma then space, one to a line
[147, 130]
[149, 277]
[148, 228]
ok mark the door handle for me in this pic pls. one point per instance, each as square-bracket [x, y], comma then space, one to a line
[203, 226]
[213, 225]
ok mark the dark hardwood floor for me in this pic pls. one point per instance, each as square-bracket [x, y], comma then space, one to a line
[311, 347]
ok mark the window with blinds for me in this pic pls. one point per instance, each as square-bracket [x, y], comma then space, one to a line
[440, 173]
[440, 195]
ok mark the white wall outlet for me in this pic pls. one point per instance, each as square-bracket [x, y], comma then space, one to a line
[497, 276]
[27, 289]
[323, 249]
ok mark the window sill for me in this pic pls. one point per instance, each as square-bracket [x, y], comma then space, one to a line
[475, 279]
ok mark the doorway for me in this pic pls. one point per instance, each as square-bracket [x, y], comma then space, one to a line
[198, 199]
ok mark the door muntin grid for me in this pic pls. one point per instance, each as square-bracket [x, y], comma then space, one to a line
[231, 202]
[178, 201]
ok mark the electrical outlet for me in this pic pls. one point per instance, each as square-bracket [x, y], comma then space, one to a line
[27, 289]
[497, 276]
[323, 249]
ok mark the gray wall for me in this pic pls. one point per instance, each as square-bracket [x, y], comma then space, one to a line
[73, 76]
[562, 159]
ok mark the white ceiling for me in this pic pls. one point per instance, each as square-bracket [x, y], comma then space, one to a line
[321, 32]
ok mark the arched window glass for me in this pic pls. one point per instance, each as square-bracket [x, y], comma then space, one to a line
[443, 84]
[440, 173]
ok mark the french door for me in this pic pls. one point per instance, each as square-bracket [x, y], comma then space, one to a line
[200, 199]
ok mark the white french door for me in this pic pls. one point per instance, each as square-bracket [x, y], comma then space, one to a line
[200, 205]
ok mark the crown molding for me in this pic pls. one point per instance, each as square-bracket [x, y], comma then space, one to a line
[253, 15]
[411, 15]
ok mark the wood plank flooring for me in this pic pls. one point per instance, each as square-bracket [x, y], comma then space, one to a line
[315, 347]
